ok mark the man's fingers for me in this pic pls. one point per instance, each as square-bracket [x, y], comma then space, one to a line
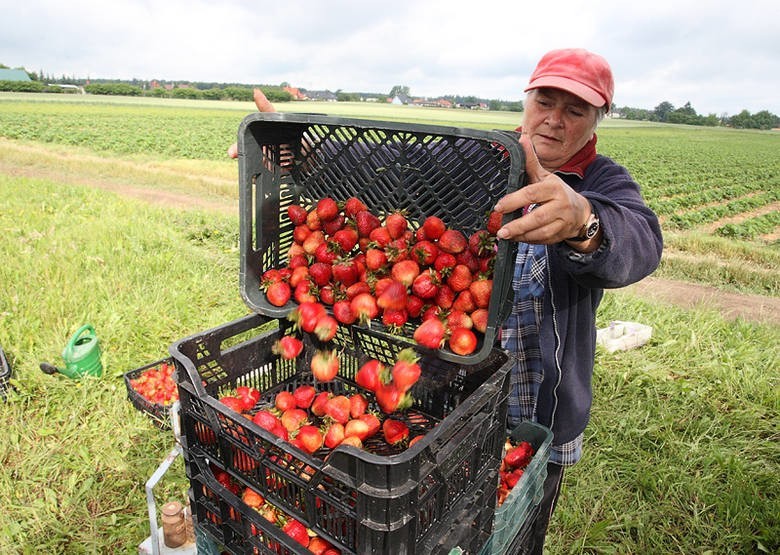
[533, 168]
[262, 103]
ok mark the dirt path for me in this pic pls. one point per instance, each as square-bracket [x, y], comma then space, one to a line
[754, 308]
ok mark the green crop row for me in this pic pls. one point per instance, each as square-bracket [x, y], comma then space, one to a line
[688, 220]
[752, 227]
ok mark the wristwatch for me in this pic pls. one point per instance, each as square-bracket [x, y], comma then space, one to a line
[589, 229]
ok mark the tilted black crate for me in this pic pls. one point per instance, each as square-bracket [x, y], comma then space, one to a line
[363, 502]
[454, 173]
[158, 412]
[5, 374]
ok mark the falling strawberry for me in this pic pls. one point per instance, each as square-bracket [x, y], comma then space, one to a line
[288, 347]
[406, 370]
[324, 365]
[326, 328]
[390, 399]
[368, 375]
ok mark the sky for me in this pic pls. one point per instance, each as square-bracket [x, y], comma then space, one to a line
[722, 57]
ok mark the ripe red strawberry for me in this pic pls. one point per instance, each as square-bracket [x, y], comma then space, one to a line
[373, 423]
[426, 285]
[468, 259]
[481, 289]
[298, 274]
[462, 341]
[342, 311]
[327, 294]
[358, 404]
[397, 249]
[460, 278]
[380, 236]
[430, 333]
[395, 431]
[305, 292]
[452, 241]
[313, 241]
[318, 405]
[326, 252]
[297, 214]
[326, 328]
[445, 296]
[252, 498]
[482, 243]
[327, 209]
[390, 398]
[331, 227]
[354, 441]
[266, 420]
[324, 365]
[320, 273]
[300, 260]
[357, 428]
[278, 293]
[304, 396]
[424, 253]
[346, 238]
[307, 314]
[310, 438]
[434, 227]
[376, 259]
[301, 233]
[479, 318]
[334, 435]
[293, 418]
[464, 302]
[394, 319]
[352, 206]
[288, 347]
[393, 296]
[368, 375]
[337, 408]
[345, 271]
[249, 396]
[233, 403]
[366, 222]
[458, 319]
[494, 222]
[284, 400]
[405, 271]
[396, 224]
[364, 307]
[406, 370]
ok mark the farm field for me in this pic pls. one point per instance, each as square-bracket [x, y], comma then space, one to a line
[123, 213]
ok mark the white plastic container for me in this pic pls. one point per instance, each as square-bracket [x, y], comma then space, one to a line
[622, 336]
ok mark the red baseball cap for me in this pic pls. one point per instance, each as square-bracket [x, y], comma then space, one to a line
[577, 71]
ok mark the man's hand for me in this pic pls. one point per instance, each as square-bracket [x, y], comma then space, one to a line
[263, 105]
[558, 211]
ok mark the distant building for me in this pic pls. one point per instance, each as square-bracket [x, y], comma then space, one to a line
[325, 96]
[295, 93]
[14, 75]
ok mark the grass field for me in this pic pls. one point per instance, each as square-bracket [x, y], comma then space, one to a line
[683, 451]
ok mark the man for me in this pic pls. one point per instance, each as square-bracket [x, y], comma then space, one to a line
[584, 228]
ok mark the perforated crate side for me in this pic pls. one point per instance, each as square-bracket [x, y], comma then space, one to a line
[454, 173]
[5, 374]
[357, 499]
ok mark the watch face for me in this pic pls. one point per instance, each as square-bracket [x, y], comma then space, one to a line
[593, 228]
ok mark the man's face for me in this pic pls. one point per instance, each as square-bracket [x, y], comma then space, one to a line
[559, 124]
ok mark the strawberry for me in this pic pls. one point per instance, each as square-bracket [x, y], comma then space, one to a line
[345, 271]
[318, 405]
[310, 438]
[233, 403]
[426, 285]
[337, 408]
[460, 278]
[366, 222]
[467, 258]
[462, 341]
[430, 333]
[458, 319]
[327, 294]
[296, 531]
[452, 241]
[406, 371]
[376, 259]
[398, 249]
[354, 441]
[390, 398]
[372, 421]
[293, 418]
[331, 227]
[326, 252]
[380, 236]
[327, 209]
[334, 435]
[342, 311]
[249, 396]
[357, 428]
[284, 400]
[480, 289]
[266, 420]
[424, 253]
[324, 366]
[367, 376]
[326, 327]
[394, 319]
[482, 243]
[304, 396]
[305, 292]
[364, 307]
[358, 404]
[414, 306]
[444, 297]
[434, 227]
[479, 318]
[297, 214]
[519, 456]
[444, 263]
[301, 233]
[299, 273]
[464, 302]
[320, 273]
[346, 239]
[306, 315]
[393, 296]
[252, 498]
[352, 206]
[396, 224]
[395, 431]
[314, 240]
[278, 293]
[405, 271]
[494, 222]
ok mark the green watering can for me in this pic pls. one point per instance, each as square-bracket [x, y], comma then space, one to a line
[81, 355]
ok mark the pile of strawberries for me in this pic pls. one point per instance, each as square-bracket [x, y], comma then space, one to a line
[289, 525]
[400, 272]
[515, 460]
[157, 385]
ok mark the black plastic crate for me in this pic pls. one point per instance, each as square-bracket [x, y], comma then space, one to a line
[454, 173]
[158, 412]
[5, 374]
[362, 502]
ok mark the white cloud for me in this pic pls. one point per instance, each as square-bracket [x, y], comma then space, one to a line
[678, 51]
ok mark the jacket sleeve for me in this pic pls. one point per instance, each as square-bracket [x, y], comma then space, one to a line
[632, 241]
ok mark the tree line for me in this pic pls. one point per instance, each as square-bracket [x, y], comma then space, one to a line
[665, 112]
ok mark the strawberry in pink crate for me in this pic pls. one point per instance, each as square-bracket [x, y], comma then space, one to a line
[516, 459]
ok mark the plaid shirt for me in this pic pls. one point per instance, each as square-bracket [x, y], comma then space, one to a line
[520, 336]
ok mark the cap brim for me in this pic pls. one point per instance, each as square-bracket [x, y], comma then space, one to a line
[569, 85]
